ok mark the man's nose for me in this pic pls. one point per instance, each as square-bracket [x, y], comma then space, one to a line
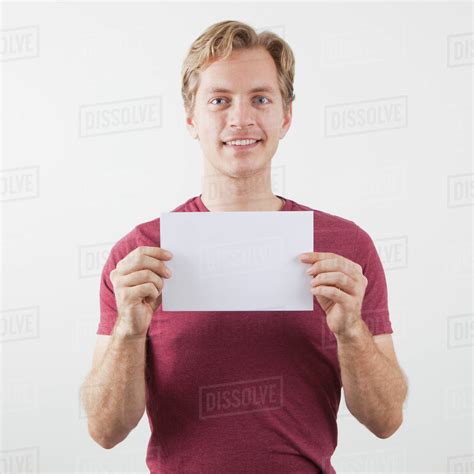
[242, 114]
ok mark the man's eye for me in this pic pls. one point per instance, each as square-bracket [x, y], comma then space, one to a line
[222, 98]
[218, 98]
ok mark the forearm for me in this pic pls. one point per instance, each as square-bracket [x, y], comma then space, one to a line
[113, 394]
[374, 386]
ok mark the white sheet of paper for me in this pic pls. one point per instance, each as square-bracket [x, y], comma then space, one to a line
[237, 261]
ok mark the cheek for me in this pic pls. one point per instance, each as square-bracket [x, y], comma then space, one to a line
[209, 137]
[212, 130]
[273, 127]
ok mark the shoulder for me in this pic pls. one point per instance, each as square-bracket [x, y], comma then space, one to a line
[331, 230]
[143, 234]
[338, 234]
[323, 219]
[122, 247]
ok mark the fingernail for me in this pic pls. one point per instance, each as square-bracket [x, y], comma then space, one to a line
[308, 270]
[168, 272]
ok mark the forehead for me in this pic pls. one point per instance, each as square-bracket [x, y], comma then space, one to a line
[249, 70]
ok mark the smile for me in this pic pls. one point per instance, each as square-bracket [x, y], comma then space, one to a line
[242, 145]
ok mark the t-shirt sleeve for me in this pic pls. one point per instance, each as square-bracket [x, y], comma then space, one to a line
[374, 310]
[108, 307]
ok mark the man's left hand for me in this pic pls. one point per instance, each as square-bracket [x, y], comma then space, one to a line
[339, 286]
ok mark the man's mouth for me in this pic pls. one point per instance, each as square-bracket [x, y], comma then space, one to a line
[241, 145]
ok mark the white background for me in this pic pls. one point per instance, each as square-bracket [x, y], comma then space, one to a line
[67, 198]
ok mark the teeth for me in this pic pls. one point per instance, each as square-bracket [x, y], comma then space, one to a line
[241, 142]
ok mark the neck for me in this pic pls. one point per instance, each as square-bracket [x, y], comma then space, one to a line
[254, 193]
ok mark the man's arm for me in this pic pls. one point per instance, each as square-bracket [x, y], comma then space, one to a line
[113, 393]
[374, 385]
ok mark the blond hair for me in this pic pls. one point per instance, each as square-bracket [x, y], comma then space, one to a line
[219, 40]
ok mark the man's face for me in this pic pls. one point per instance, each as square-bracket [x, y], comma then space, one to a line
[239, 112]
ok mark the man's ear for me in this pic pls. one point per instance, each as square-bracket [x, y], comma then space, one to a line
[286, 121]
[191, 127]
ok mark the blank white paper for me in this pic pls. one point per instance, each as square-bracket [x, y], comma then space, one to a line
[237, 261]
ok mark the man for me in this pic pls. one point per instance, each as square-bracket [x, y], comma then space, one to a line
[243, 391]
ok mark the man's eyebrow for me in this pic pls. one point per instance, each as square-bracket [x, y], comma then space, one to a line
[218, 89]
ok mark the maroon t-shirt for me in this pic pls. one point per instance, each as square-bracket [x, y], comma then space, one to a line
[247, 392]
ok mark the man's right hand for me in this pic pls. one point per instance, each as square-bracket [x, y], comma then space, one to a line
[138, 283]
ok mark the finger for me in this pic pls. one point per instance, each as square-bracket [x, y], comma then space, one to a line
[337, 279]
[144, 290]
[332, 293]
[323, 266]
[157, 252]
[316, 256]
[138, 278]
[313, 257]
[141, 261]
[335, 264]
